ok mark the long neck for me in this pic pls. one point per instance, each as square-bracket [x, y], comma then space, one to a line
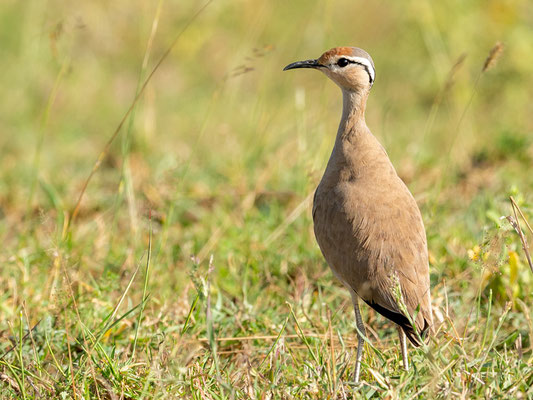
[356, 150]
[353, 114]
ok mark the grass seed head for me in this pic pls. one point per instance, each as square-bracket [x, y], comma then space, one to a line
[494, 55]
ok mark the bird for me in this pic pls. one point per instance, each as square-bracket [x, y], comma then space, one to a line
[366, 221]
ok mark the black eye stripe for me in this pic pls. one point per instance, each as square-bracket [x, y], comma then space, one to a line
[366, 69]
[361, 64]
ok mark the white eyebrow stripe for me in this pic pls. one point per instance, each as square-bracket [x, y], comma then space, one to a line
[364, 62]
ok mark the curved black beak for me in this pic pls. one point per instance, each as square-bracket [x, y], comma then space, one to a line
[303, 64]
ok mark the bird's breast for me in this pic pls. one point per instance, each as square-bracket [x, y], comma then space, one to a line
[368, 228]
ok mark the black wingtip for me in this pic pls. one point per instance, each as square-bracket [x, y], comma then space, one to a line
[413, 337]
[404, 323]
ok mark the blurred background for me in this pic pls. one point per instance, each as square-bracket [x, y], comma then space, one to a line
[223, 150]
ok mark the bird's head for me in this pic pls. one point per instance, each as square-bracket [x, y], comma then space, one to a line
[351, 68]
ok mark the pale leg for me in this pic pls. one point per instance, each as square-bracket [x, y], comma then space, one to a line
[403, 346]
[361, 341]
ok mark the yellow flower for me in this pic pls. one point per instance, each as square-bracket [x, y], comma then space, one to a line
[474, 253]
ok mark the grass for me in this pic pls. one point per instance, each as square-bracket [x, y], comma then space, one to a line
[190, 269]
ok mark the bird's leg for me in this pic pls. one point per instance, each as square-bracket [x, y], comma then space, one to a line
[403, 346]
[360, 342]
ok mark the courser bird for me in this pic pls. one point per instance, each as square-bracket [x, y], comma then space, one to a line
[366, 222]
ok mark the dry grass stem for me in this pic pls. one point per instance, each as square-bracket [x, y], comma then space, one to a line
[107, 147]
[516, 225]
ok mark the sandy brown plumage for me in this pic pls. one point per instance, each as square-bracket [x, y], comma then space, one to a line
[366, 221]
[370, 231]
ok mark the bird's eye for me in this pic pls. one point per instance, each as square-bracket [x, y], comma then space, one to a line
[343, 62]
